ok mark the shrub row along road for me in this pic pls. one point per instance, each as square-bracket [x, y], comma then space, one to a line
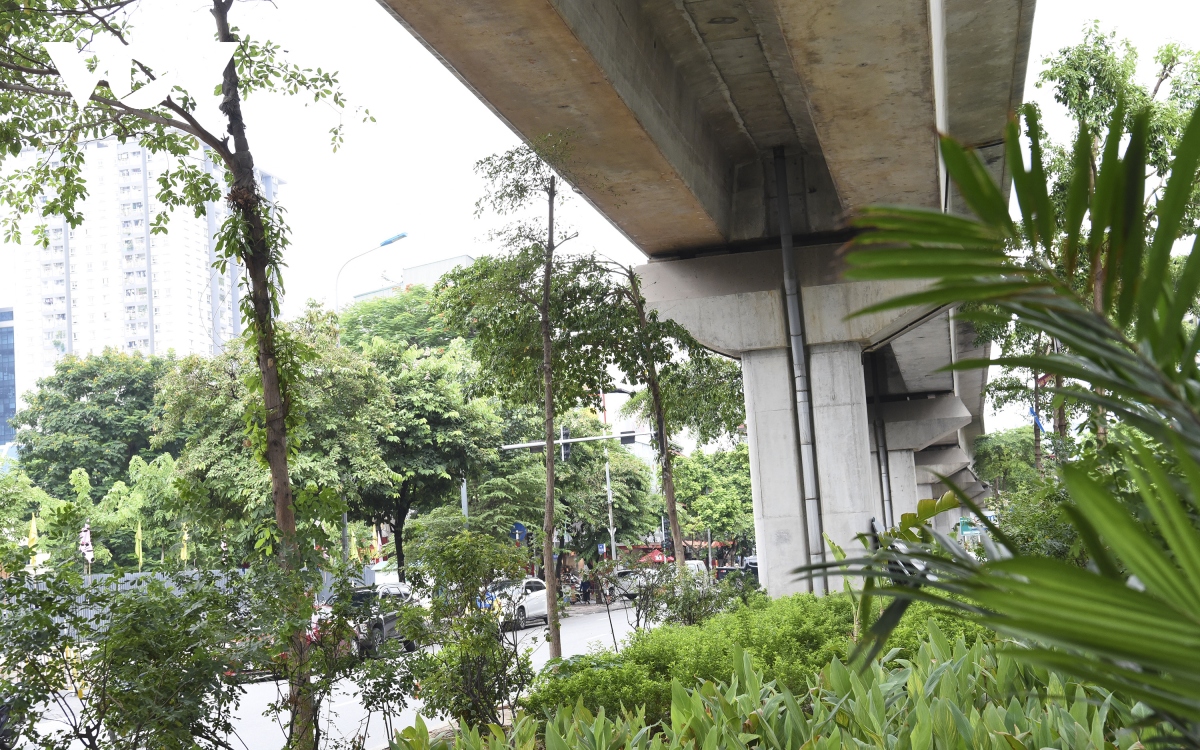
[344, 716]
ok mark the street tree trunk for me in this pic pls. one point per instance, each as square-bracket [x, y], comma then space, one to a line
[548, 402]
[399, 516]
[1098, 306]
[660, 423]
[1037, 431]
[244, 198]
[668, 473]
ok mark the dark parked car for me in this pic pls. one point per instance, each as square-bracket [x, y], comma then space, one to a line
[379, 618]
[725, 571]
[751, 567]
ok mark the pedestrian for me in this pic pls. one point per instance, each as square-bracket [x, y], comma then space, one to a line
[585, 589]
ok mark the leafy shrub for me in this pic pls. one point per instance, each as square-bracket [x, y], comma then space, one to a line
[789, 640]
[944, 696]
[474, 667]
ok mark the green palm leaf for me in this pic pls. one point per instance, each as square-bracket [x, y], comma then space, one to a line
[1131, 624]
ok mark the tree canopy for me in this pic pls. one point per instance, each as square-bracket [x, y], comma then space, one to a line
[714, 492]
[405, 317]
[97, 412]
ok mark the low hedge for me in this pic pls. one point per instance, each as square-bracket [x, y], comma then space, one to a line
[789, 640]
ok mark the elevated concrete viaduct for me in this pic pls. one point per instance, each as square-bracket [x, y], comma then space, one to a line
[713, 133]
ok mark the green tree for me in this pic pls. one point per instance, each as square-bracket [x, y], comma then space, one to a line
[432, 439]
[406, 317]
[645, 349]
[45, 116]
[474, 668]
[536, 315]
[131, 678]
[715, 491]
[96, 412]
[343, 405]
[1095, 81]
[20, 500]
[151, 503]
[1004, 459]
[512, 486]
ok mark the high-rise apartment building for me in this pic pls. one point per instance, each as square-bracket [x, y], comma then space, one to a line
[8, 376]
[111, 282]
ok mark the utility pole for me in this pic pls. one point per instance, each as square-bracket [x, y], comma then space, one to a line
[612, 529]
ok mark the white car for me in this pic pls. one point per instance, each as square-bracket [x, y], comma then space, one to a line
[518, 602]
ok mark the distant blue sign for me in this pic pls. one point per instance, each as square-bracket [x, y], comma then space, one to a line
[601, 546]
[518, 532]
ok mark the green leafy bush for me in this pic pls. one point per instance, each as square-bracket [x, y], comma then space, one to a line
[789, 640]
[944, 696]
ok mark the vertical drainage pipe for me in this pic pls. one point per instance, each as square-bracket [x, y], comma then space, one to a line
[804, 419]
[881, 449]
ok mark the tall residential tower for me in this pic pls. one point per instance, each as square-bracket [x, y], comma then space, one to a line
[110, 282]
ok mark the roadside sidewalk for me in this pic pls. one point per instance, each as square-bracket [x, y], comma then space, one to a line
[620, 605]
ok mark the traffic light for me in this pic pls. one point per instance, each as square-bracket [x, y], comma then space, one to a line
[627, 437]
[565, 433]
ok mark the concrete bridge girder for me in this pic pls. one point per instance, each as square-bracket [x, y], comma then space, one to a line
[673, 106]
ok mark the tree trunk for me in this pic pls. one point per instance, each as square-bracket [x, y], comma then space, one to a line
[660, 426]
[399, 516]
[1037, 431]
[244, 199]
[668, 474]
[1098, 307]
[548, 403]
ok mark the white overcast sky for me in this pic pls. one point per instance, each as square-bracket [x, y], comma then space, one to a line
[411, 170]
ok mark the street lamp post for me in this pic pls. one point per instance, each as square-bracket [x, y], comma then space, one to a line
[336, 307]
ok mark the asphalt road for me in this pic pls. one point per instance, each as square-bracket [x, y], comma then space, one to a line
[345, 718]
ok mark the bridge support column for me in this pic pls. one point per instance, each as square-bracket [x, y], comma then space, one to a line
[904, 482]
[849, 487]
[774, 469]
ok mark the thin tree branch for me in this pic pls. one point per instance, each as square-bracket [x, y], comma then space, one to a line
[219, 145]
[125, 108]
[30, 71]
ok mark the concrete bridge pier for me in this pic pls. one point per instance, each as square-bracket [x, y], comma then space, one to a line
[734, 304]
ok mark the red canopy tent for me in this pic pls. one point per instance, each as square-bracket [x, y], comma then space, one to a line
[654, 556]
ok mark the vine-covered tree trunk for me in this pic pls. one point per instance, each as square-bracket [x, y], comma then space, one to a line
[244, 198]
[548, 402]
